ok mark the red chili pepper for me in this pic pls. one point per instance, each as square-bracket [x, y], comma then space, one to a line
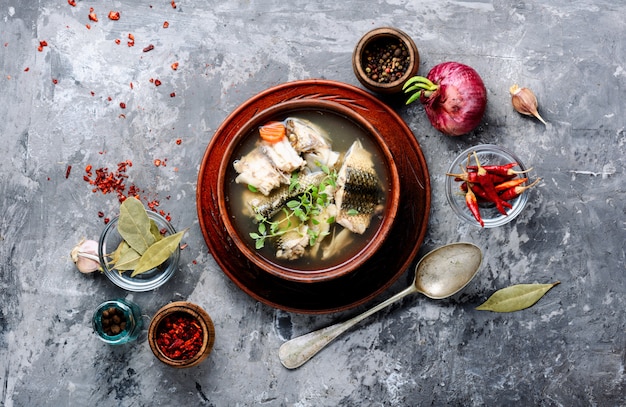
[505, 170]
[481, 195]
[509, 184]
[487, 183]
[514, 192]
[472, 205]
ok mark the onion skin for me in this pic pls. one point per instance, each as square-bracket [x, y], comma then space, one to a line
[458, 104]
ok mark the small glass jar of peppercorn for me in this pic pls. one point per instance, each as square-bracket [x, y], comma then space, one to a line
[117, 321]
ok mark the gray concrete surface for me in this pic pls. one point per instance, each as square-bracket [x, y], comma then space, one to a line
[567, 350]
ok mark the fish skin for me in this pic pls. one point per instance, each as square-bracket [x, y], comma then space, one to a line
[358, 189]
[268, 206]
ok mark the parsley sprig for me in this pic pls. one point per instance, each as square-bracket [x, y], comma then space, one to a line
[307, 206]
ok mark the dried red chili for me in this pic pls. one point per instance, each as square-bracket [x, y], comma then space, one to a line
[179, 141]
[157, 82]
[179, 336]
[67, 171]
[175, 66]
[123, 105]
[166, 24]
[148, 48]
[71, 3]
[92, 16]
[114, 15]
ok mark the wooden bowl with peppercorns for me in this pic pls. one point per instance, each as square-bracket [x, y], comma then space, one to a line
[181, 334]
[384, 59]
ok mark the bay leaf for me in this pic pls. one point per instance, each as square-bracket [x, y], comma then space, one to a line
[127, 259]
[134, 225]
[154, 229]
[516, 297]
[158, 253]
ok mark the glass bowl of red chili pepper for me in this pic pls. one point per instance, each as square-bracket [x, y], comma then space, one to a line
[181, 334]
[486, 186]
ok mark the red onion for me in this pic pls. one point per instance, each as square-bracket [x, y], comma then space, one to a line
[453, 96]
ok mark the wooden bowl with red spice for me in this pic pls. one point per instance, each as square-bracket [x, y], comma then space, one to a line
[181, 334]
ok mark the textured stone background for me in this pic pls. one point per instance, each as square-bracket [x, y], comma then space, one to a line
[567, 350]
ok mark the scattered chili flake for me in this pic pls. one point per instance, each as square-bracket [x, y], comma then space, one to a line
[42, 44]
[131, 37]
[118, 41]
[71, 3]
[123, 105]
[178, 141]
[157, 82]
[173, 3]
[195, 262]
[100, 214]
[148, 48]
[93, 93]
[172, 94]
[166, 24]
[157, 162]
[26, 69]
[109, 98]
[106, 220]
[55, 81]
[88, 26]
[114, 15]
[151, 80]
[168, 218]
[67, 171]
[92, 16]
[132, 86]
[183, 246]
[175, 66]
[88, 169]
[122, 116]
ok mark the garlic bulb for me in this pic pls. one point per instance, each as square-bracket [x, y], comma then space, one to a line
[85, 256]
[525, 101]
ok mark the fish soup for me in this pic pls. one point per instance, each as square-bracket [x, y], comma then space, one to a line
[341, 178]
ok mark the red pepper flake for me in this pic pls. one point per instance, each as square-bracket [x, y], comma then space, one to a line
[101, 214]
[92, 16]
[118, 41]
[42, 44]
[157, 82]
[195, 262]
[114, 15]
[55, 81]
[123, 105]
[106, 220]
[148, 48]
[122, 116]
[178, 141]
[109, 98]
[26, 69]
[179, 336]
[151, 80]
[175, 66]
[131, 42]
[173, 3]
[157, 162]
[166, 24]
[132, 86]
[183, 246]
[71, 3]
[88, 26]
[172, 94]
[67, 171]
[131, 37]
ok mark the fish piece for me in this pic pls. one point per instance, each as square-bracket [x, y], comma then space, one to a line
[305, 136]
[292, 245]
[321, 226]
[257, 170]
[314, 160]
[269, 205]
[359, 190]
[339, 240]
[282, 155]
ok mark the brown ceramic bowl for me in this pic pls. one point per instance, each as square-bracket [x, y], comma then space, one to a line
[368, 46]
[190, 312]
[312, 272]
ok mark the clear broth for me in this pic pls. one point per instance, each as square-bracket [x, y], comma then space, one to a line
[342, 132]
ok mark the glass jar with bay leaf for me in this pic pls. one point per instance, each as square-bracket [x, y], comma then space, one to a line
[139, 250]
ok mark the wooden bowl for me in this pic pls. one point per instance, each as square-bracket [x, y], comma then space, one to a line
[382, 37]
[190, 310]
[312, 273]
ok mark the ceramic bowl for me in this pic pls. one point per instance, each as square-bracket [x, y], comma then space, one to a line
[160, 332]
[487, 154]
[312, 272]
[368, 50]
[109, 241]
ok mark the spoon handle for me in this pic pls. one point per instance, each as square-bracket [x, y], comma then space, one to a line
[297, 351]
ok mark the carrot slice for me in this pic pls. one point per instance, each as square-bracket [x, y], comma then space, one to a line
[272, 132]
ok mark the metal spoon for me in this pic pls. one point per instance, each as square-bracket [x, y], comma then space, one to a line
[439, 274]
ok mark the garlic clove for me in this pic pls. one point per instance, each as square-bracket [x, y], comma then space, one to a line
[525, 101]
[85, 256]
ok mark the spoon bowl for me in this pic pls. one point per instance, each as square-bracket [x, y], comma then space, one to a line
[441, 273]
